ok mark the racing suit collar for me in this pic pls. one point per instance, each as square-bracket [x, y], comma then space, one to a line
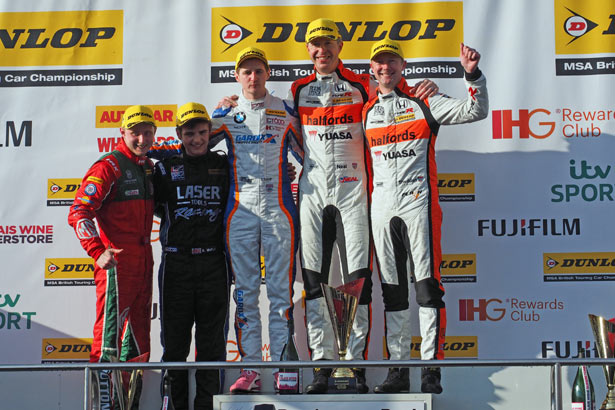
[252, 105]
[402, 86]
[121, 147]
[333, 75]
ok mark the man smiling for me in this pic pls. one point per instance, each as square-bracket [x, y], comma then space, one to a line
[401, 130]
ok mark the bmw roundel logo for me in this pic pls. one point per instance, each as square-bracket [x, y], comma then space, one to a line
[239, 117]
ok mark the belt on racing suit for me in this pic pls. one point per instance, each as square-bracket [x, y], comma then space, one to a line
[208, 250]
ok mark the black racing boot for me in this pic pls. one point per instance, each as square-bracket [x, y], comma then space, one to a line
[430, 380]
[397, 381]
[320, 384]
[361, 385]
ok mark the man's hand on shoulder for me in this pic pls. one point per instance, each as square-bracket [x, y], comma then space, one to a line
[425, 89]
[228, 102]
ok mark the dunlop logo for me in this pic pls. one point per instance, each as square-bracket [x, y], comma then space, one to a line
[456, 187]
[431, 29]
[69, 272]
[66, 349]
[61, 191]
[67, 38]
[458, 267]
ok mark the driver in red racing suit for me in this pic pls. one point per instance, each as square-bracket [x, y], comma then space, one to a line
[117, 191]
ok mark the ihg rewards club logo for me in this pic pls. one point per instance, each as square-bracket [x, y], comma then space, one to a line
[430, 30]
[513, 309]
[61, 38]
[583, 28]
[581, 266]
[69, 272]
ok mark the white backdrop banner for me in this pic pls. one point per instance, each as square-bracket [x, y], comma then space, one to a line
[527, 193]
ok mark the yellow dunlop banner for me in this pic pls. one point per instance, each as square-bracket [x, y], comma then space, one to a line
[454, 347]
[69, 268]
[432, 29]
[584, 27]
[66, 349]
[458, 264]
[451, 184]
[583, 262]
[110, 116]
[67, 38]
[61, 191]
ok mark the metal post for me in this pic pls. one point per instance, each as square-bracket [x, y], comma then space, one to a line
[557, 383]
[87, 390]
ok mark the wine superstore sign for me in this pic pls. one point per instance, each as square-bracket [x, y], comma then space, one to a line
[61, 38]
[434, 30]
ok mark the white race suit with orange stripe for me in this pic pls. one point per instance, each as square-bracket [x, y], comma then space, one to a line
[333, 200]
[406, 217]
[261, 215]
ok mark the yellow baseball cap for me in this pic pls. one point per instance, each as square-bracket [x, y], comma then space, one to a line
[136, 114]
[190, 111]
[386, 46]
[250, 52]
[322, 28]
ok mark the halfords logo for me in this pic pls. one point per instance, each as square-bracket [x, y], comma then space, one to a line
[110, 116]
[529, 227]
[568, 349]
[61, 191]
[458, 267]
[69, 272]
[514, 309]
[582, 266]
[456, 187]
[61, 38]
[591, 183]
[66, 350]
[433, 31]
[454, 346]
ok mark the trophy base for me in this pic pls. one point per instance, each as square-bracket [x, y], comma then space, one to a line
[609, 401]
[342, 385]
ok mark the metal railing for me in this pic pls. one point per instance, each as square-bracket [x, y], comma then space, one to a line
[87, 368]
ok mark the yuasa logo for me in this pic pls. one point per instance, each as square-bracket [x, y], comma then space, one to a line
[503, 124]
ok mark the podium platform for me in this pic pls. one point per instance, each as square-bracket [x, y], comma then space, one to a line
[410, 401]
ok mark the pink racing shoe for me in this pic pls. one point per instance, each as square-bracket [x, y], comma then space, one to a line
[249, 381]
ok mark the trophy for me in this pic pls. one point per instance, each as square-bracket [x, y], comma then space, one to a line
[342, 305]
[604, 333]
